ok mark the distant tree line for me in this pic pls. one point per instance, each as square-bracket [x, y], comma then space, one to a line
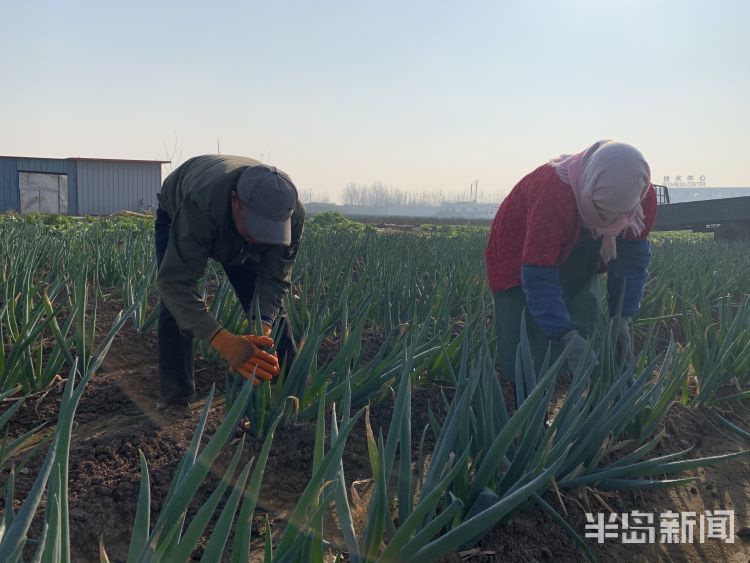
[306, 195]
[378, 193]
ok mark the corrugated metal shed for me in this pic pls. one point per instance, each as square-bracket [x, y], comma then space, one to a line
[107, 187]
[93, 186]
[11, 169]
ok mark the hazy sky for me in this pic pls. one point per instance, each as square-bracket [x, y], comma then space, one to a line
[418, 94]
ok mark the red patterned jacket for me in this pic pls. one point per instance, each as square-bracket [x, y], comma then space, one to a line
[538, 224]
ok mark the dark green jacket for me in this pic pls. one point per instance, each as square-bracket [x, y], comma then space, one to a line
[197, 198]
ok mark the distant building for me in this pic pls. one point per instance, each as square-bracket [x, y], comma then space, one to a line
[467, 210]
[678, 195]
[78, 186]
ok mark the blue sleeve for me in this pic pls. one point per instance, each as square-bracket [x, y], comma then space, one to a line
[544, 299]
[630, 270]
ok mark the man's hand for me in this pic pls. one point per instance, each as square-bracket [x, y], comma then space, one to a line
[244, 354]
[258, 362]
[267, 328]
[576, 346]
[624, 342]
[259, 341]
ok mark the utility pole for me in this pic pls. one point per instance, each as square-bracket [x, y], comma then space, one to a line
[474, 191]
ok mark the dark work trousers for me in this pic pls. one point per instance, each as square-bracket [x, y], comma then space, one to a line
[581, 286]
[176, 381]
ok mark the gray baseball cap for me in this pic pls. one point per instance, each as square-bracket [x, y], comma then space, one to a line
[269, 197]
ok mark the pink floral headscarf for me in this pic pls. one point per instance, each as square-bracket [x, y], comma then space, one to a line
[609, 180]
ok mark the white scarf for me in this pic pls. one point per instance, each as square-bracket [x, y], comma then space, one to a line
[609, 180]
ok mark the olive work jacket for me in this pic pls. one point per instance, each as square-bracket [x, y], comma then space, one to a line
[197, 197]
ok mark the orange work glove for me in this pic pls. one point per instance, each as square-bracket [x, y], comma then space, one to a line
[245, 356]
[259, 341]
[258, 362]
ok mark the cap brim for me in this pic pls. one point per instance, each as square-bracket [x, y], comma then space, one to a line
[268, 231]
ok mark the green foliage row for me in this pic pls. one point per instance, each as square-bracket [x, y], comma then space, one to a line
[378, 312]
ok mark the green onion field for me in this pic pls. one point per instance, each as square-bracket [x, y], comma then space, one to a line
[391, 438]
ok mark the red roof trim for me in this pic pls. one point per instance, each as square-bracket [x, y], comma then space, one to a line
[118, 160]
[90, 159]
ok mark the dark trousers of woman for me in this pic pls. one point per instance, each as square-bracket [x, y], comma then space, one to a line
[176, 383]
[582, 291]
